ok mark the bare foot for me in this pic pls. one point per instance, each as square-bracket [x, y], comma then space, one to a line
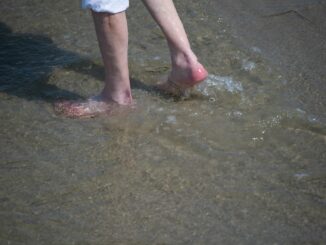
[183, 78]
[92, 107]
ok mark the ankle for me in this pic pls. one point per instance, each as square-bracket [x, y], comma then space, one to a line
[121, 98]
[183, 59]
[120, 95]
[187, 69]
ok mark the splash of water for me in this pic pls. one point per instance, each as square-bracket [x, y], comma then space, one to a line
[215, 83]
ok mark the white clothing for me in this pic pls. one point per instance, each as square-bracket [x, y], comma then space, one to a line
[109, 6]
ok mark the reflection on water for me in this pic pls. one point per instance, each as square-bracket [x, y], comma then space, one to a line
[235, 162]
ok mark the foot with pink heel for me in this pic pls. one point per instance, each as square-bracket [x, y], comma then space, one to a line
[181, 79]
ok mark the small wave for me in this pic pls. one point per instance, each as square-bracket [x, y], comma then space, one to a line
[221, 83]
[248, 65]
[296, 119]
[300, 119]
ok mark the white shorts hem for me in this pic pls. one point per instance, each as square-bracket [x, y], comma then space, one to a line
[107, 6]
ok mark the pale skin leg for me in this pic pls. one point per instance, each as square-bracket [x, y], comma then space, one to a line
[186, 70]
[112, 35]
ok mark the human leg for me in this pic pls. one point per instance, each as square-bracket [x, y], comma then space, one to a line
[186, 70]
[112, 35]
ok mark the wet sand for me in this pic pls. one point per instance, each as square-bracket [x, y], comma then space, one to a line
[240, 161]
[291, 35]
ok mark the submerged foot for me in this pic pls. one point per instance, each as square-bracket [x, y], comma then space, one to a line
[182, 79]
[91, 107]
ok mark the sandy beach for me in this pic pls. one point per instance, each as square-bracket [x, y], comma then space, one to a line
[291, 35]
[240, 160]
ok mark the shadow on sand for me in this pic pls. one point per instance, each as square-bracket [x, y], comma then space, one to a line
[28, 60]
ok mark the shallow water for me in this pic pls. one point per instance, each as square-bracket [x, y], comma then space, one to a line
[238, 161]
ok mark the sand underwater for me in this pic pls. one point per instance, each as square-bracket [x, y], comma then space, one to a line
[240, 161]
